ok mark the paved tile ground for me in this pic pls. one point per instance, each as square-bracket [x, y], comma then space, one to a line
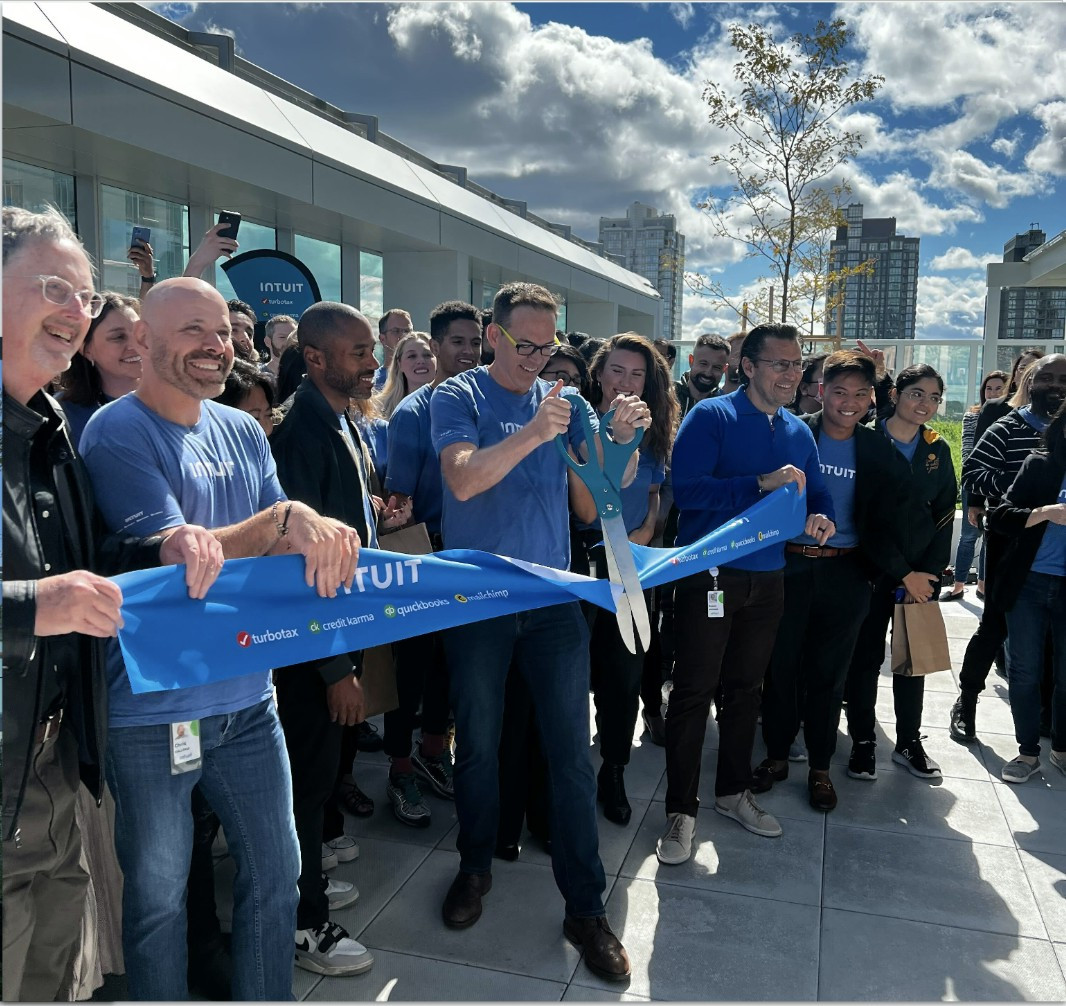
[910, 890]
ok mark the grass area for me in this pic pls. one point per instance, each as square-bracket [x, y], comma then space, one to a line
[951, 431]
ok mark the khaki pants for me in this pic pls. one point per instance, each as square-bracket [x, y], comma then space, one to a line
[44, 883]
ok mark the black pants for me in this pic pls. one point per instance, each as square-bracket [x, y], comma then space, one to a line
[314, 746]
[826, 601]
[615, 677]
[735, 649]
[991, 632]
[421, 676]
[659, 660]
[202, 913]
[908, 693]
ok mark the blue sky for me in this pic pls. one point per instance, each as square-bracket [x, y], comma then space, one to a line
[580, 108]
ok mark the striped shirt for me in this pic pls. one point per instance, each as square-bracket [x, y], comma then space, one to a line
[998, 456]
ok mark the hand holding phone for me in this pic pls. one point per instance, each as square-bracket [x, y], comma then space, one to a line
[141, 237]
[233, 221]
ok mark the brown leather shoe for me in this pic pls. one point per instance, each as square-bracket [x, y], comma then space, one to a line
[462, 903]
[604, 953]
[766, 773]
[820, 789]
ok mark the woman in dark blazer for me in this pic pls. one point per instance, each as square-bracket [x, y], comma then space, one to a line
[1031, 587]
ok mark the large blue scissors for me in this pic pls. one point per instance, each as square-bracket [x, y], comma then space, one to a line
[604, 482]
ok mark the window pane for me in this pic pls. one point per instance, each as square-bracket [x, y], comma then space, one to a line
[371, 294]
[250, 237]
[323, 258]
[31, 188]
[120, 211]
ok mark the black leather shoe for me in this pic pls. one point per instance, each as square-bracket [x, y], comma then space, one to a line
[962, 724]
[765, 774]
[509, 851]
[210, 972]
[368, 738]
[611, 792]
[462, 903]
[821, 792]
[604, 953]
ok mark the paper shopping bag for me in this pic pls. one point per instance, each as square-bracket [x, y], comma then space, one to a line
[919, 640]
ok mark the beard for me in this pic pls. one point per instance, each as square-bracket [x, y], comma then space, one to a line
[344, 383]
[703, 382]
[1045, 401]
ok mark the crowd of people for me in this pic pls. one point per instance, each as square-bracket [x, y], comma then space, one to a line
[176, 429]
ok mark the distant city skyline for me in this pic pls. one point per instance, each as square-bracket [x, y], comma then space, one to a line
[580, 109]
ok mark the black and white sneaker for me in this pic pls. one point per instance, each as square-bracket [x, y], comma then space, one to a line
[438, 771]
[916, 761]
[329, 950]
[408, 804]
[863, 762]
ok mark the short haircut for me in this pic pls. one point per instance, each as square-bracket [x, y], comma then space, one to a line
[239, 307]
[712, 341]
[243, 379]
[451, 310]
[21, 226]
[514, 295]
[321, 323]
[666, 348]
[383, 321]
[756, 338]
[914, 374]
[848, 361]
[278, 319]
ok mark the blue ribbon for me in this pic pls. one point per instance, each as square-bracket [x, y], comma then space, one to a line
[260, 613]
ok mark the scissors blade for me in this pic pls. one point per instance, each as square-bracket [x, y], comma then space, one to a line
[619, 554]
[623, 609]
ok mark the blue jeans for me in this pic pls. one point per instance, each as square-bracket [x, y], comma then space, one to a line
[1041, 605]
[550, 648]
[968, 537]
[245, 776]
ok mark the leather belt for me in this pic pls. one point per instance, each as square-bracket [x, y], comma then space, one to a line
[48, 728]
[817, 551]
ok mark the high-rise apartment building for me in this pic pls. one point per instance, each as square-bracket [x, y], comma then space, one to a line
[881, 305]
[1033, 314]
[649, 243]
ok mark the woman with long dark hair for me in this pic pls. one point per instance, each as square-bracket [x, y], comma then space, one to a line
[923, 531]
[626, 364]
[107, 366]
[1030, 585]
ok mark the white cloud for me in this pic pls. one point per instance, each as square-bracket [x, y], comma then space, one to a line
[991, 184]
[1049, 154]
[683, 13]
[950, 306]
[899, 195]
[1005, 146]
[956, 258]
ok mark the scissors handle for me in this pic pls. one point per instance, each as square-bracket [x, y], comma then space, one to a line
[603, 481]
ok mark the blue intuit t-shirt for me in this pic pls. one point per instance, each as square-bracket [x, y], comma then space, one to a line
[414, 467]
[526, 514]
[837, 461]
[1051, 556]
[149, 474]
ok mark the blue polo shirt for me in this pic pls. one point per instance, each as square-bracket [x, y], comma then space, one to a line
[414, 468]
[723, 445]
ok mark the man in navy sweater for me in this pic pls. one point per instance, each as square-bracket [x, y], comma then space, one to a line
[730, 451]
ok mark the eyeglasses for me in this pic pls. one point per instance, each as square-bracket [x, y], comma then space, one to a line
[782, 366]
[916, 395]
[528, 348]
[58, 291]
[398, 331]
[561, 375]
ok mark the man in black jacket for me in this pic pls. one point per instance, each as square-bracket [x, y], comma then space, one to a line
[56, 612]
[827, 588]
[322, 462]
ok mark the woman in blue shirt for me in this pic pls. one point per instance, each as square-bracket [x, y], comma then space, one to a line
[626, 365]
[1030, 585]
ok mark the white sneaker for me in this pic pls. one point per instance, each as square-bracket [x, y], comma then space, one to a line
[338, 850]
[743, 809]
[676, 844]
[340, 893]
[329, 950]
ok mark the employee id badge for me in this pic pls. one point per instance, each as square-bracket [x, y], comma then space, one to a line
[184, 746]
[716, 604]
